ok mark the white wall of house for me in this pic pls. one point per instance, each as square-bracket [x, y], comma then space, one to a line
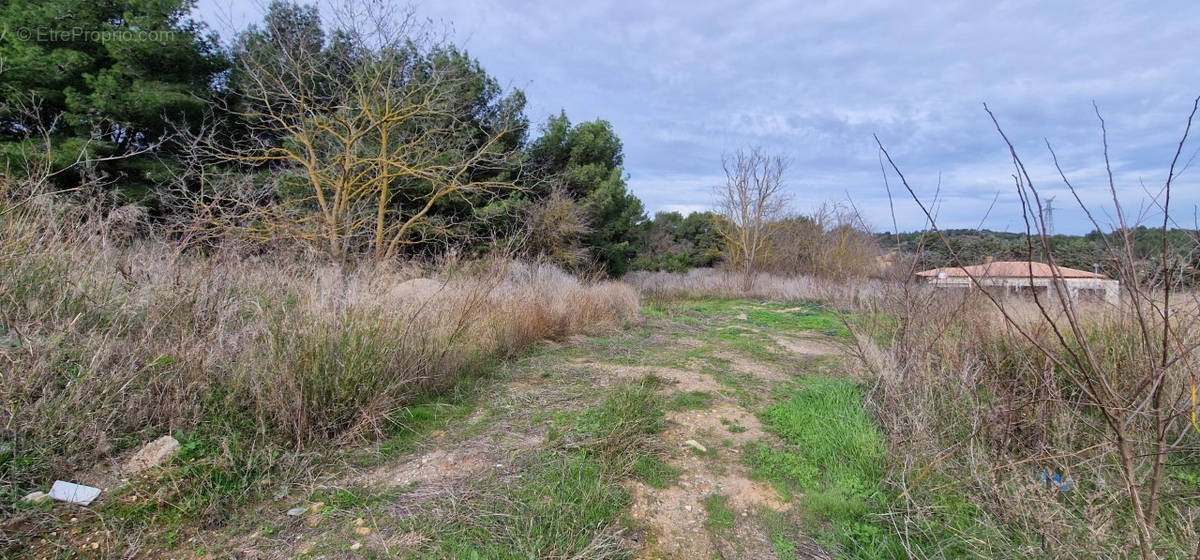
[1108, 290]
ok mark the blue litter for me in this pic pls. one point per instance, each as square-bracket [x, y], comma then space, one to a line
[1056, 480]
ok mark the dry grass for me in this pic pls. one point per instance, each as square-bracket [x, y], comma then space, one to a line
[105, 344]
[975, 414]
[709, 282]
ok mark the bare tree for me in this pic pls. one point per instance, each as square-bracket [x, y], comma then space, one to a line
[750, 202]
[366, 134]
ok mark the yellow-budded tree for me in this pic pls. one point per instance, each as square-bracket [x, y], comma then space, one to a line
[365, 133]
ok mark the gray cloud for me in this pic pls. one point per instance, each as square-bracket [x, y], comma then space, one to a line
[684, 82]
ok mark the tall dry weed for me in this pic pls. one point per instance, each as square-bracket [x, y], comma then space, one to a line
[710, 282]
[106, 344]
[981, 423]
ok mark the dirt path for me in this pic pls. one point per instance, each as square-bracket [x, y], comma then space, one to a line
[677, 517]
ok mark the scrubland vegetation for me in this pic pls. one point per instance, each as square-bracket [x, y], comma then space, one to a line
[378, 316]
[108, 343]
[999, 448]
[956, 435]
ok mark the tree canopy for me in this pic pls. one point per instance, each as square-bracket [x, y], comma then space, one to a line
[135, 84]
[117, 74]
[586, 160]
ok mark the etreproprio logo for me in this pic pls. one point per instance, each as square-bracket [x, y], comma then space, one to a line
[42, 34]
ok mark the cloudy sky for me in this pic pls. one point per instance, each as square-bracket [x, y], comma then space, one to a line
[685, 82]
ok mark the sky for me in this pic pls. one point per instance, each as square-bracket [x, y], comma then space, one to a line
[684, 83]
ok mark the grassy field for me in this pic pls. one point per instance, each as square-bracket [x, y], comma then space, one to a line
[573, 449]
[693, 427]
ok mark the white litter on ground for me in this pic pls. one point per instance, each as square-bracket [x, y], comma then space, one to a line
[72, 493]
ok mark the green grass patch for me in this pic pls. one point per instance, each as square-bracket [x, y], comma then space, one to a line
[732, 426]
[834, 455]
[556, 513]
[752, 344]
[713, 308]
[411, 424]
[655, 312]
[798, 316]
[626, 413]
[809, 317]
[692, 400]
[208, 478]
[781, 531]
[566, 498]
[652, 470]
[350, 499]
[720, 517]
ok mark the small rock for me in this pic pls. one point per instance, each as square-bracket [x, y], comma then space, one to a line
[360, 522]
[364, 531]
[151, 455]
[72, 493]
[296, 511]
[695, 445]
[356, 546]
[35, 497]
[689, 508]
[313, 520]
[316, 507]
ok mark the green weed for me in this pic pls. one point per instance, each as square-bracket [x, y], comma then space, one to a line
[720, 517]
[569, 501]
[692, 400]
[412, 423]
[732, 426]
[557, 513]
[834, 455]
[652, 470]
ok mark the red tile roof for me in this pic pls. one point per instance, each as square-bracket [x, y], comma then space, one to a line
[1010, 269]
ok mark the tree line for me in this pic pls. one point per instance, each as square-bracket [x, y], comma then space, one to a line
[365, 134]
[355, 131]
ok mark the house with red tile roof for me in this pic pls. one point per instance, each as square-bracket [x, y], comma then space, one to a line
[1025, 277]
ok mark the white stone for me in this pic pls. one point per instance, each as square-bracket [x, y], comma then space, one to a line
[297, 511]
[151, 455]
[70, 492]
[35, 497]
[695, 445]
